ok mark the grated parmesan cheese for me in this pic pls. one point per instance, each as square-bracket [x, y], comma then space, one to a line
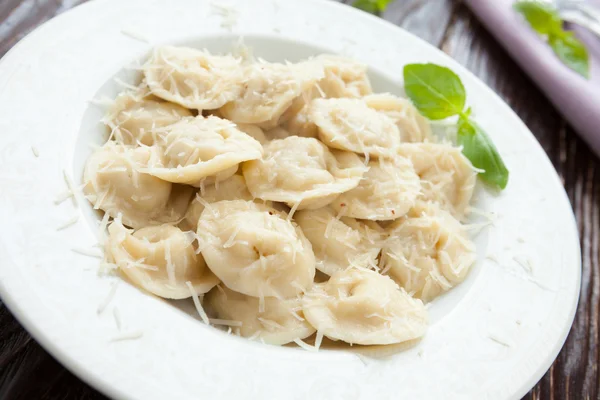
[133, 335]
[108, 299]
[197, 303]
[68, 223]
[117, 317]
[305, 345]
[87, 252]
[135, 35]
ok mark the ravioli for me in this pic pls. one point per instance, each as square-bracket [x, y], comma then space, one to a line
[363, 307]
[255, 250]
[350, 124]
[196, 148]
[340, 243]
[302, 172]
[233, 188]
[428, 252]
[269, 89]
[344, 77]
[193, 78]
[447, 176]
[413, 126]
[319, 206]
[389, 189]
[135, 115]
[273, 322]
[253, 131]
[159, 259]
[299, 124]
[114, 182]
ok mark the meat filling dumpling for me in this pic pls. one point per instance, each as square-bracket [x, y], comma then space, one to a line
[299, 124]
[302, 172]
[193, 78]
[233, 188]
[159, 259]
[413, 126]
[269, 90]
[255, 250]
[135, 115]
[253, 131]
[339, 243]
[361, 306]
[428, 252]
[389, 189]
[344, 77]
[196, 148]
[114, 182]
[274, 321]
[349, 124]
[447, 176]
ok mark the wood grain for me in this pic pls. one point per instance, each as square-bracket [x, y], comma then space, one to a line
[28, 372]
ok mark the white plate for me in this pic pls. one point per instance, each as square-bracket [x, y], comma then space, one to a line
[492, 337]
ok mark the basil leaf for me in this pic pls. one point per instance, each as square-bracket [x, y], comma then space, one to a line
[571, 52]
[542, 17]
[372, 6]
[436, 91]
[480, 150]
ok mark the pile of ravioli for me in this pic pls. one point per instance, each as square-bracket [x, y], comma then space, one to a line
[288, 200]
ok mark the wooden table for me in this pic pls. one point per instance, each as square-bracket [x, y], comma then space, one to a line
[28, 372]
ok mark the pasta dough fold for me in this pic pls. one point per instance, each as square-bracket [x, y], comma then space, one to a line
[339, 243]
[193, 78]
[413, 126]
[274, 322]
[389, 189]
[428, 252]
[447, 176]
[160, 259]
[302, 172]
[255, 250]
[194, 149]
[349, 124]
[363, 307]
[114, 182]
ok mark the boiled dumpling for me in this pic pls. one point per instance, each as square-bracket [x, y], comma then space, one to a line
[349, 124]
[428, 252]
[115, 184]
[447, 176]
[363, 307]
[135, 115]
[388, 190]
[344, 77]
[302, 172]
[339, 243]
[413, 126]
[233, 188]
[255, 250]
[269, 90]
[160, 259]
[277, 133]
[193, 78]
[299, 124]
[197, 148]
[253, 131]
[274, 321]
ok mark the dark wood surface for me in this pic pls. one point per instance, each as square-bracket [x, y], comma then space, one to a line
[28, 372]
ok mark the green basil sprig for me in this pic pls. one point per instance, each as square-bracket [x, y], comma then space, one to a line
[544, 19]
[372, 6]
[438, 93]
